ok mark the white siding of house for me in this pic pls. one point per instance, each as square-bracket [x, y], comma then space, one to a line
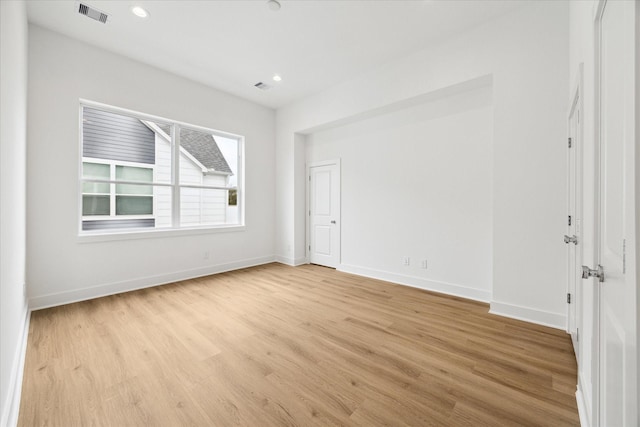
[214, 208]
[162, 195]
[198, 206]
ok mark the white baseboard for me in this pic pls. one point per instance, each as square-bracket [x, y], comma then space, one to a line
[293, 262]
[418, 282]
[52, 300]
[583, 399]
[532, 315]
[582, 410]
[11, 406]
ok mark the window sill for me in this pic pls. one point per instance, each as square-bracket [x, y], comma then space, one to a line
[156, 234]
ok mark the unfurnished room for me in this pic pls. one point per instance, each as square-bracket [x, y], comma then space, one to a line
[319, 213]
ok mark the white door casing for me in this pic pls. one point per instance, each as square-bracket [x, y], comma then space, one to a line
[615, 232]
[324, 213]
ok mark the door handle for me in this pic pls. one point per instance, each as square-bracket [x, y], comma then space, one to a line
[571, 239]
[333, 221]
[598, 272]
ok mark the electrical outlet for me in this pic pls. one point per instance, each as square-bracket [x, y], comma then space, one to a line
[205, 255]
[406, 261]
[423, 264]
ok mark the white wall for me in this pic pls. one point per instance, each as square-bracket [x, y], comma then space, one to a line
[526, 53]
[417, 182]
[61, 268]
[13, 141]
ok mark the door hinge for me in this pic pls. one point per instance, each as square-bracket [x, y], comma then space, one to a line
[568, 298]
[569, 142]
[578, 334]
[569, 219]
[309, 213]
[309, 248]
[309, 178]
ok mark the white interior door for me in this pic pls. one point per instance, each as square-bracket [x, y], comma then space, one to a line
[616, 229]
[324, 213]
[573, 238]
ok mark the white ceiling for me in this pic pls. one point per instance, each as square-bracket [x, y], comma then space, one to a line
[231, 45]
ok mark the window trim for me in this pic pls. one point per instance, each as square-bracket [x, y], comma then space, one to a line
[175, 229]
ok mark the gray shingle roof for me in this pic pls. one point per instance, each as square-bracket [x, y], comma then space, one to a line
[203, 147]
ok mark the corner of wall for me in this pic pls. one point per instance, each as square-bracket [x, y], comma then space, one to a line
[14, 312]
[527, 314]
[293, 262]
[11, 407]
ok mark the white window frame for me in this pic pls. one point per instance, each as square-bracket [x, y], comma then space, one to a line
[175, 228]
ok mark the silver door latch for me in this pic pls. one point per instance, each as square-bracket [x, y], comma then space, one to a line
[598, 272]
[571, 239]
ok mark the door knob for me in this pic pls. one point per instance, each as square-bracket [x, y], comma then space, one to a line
[571, 239]
[598, 272]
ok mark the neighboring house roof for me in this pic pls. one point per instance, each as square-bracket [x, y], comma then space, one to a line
[203, 147]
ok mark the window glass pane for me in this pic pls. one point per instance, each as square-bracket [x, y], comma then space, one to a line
[120, 138]
[95, 171]
[201, 206]
[95, 188]
[134, 205]
[133, 189]
[132, 173]
[95, 205]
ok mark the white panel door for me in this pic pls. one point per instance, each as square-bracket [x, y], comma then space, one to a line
[573, 238]
[617, 317]
[324, 214]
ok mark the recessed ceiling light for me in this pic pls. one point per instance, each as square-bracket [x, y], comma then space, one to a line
[273, 5]
[277, 78]
[139, 12]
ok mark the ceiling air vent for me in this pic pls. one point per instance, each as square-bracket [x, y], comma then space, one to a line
[262, 86]
[92, 13]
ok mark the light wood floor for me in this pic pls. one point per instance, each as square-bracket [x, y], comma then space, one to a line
[283, 346]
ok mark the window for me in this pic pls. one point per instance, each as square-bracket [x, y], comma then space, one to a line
[146, 173]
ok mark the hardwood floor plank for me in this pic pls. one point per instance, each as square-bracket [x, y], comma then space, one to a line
[281, 346]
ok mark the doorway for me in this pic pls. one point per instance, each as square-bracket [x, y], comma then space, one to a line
[323, 206]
